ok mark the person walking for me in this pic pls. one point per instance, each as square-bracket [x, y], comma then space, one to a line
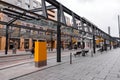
[14, 48]
[32, 52]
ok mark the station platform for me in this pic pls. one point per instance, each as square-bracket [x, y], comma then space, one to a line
[105, 66]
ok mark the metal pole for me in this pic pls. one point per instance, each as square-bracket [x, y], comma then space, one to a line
[51, 42]
[6, 46]
[7, 28]
[91, 48]
[109, 30]
[105, 46]
[110, 44]
[94, 44]
[58, 38]
[71, 43]
[70, 58]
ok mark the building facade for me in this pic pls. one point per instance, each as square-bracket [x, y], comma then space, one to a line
[25, 42]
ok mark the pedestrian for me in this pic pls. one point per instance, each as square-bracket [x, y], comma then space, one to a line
[32, 52]
[48, 47]
[14, 49]
[62, 46]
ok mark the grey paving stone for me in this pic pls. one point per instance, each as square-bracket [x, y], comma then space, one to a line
[112, 75]
[112, 78]
[98, 79]
[100, 67]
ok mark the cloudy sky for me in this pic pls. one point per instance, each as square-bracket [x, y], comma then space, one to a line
[102, 13]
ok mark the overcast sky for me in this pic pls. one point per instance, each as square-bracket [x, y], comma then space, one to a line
[102, 13]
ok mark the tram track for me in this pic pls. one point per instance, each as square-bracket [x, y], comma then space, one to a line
[11, 60]
[26, 62]
[17, 60]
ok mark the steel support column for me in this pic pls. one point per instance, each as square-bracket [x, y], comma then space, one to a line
[58, 37]
[6, 43]
[105, 45]
[71, 44]
[51, 41]
[110, 44]
[94, 43]
[7, 28]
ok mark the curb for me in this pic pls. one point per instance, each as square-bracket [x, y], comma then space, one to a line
[14, 55]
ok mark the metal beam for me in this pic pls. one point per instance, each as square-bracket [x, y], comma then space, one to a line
[13, 12]
[10, 6]
[7, 28]
[44, 9]
[37, 16]
[32, 28]
[15, 15]
[62, 16]
[74, 20]
[55, 4]
[65, 9]
[50, 7]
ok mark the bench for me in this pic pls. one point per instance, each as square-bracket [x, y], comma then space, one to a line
[78, 53]
[84, 52]
[101, 50]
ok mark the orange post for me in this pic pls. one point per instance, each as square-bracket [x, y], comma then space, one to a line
[40, 54]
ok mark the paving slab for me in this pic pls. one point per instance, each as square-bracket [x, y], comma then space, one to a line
[103, 66]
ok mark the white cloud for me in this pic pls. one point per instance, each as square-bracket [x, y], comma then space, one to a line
[103, 13]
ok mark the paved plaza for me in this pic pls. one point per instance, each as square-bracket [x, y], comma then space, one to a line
[105, 66]
[27, 66]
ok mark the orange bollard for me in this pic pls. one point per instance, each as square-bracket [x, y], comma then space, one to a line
[40, 56]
